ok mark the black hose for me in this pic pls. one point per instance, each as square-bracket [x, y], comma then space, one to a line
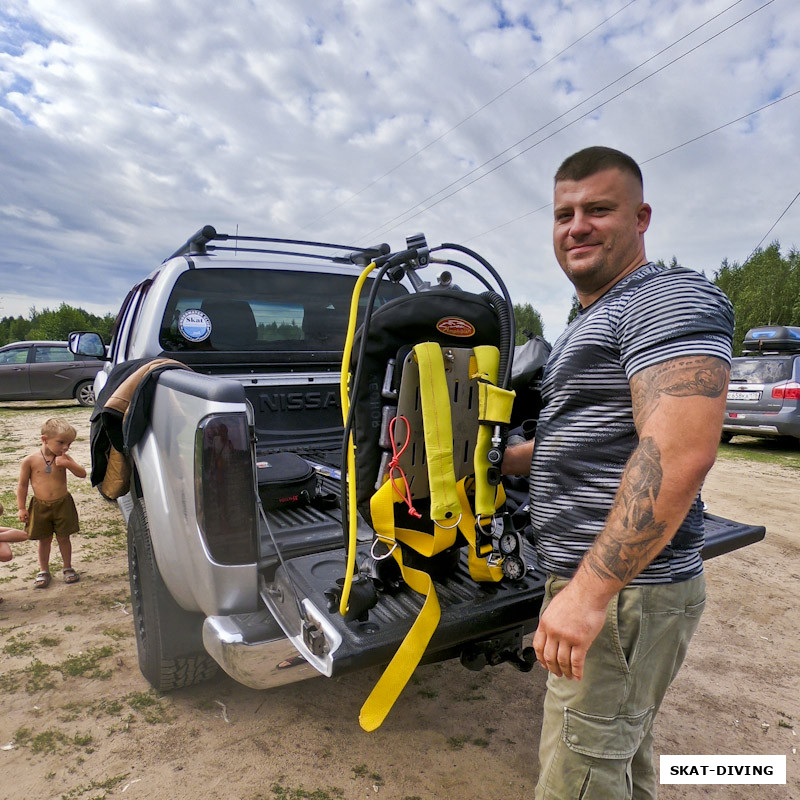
[504, 379]
[505, 318]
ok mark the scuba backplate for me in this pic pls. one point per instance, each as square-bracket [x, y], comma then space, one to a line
[426, 406]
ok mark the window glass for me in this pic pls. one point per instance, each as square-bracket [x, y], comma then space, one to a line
[761, 370]
[17, 355]
[49, 354]
[262, 310]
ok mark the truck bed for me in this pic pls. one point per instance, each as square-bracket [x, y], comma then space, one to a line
[471, 612]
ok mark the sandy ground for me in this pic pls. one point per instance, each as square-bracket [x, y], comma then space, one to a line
[79, 721]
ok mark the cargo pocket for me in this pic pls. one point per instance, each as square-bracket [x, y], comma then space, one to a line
[605, 737]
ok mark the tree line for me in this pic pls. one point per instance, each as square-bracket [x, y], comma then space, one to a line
[764, 290]
[55, 325]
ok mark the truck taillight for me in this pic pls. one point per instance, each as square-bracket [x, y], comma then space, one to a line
[225, 488]
[787, 391]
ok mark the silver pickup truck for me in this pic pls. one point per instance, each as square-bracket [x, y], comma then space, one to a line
[215, 579]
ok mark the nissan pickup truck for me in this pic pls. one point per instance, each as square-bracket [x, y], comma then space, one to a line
[257, 329]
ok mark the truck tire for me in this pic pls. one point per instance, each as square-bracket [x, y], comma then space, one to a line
[169, 639]
[725, 437]
[84, 393]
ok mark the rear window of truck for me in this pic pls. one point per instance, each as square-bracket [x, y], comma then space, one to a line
[761, 370]
[262, 310]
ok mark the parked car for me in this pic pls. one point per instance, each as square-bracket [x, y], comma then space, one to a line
[47, 371]
[764, 387]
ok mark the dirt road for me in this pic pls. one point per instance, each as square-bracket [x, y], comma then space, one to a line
[79, 722]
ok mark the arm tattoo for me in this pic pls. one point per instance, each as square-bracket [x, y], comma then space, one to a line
[626, 546]
[693, 376]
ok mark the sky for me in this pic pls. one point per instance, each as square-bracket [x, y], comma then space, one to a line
[126, 125]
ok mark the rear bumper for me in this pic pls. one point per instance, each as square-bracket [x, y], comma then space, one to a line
[253, 650]
[782, 423]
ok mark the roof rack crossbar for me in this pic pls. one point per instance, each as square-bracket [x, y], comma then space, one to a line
[198, 244]
[280, 253]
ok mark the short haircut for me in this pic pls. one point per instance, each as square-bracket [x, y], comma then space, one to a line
[56, 426]
[591, 160]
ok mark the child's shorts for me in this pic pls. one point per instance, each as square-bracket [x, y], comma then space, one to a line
[59, 517]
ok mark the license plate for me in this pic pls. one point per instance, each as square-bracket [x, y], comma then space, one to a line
[744, 395]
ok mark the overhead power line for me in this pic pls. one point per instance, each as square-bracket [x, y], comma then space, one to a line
[771, 228]
[388, 226]
[653, 158]
[466, 119]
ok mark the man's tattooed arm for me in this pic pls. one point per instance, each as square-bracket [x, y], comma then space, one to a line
[703, 376]
[637, 529]
[632, 532]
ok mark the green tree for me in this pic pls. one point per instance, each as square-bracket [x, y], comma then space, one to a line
[574, 308]
[765, 290]
[54, 325]
[528, 322]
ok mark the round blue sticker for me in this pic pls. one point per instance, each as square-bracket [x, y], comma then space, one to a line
[194, 325]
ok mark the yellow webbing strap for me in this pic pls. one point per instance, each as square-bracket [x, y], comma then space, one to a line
[437, 426]
[344, 380]
[494, 406]
[479, 570]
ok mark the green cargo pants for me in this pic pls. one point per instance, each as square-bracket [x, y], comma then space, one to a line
[597, 733]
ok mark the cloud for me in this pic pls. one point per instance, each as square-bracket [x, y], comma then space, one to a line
[124, 127]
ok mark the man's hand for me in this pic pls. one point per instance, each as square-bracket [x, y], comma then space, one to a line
[566, 630]
[22, 515]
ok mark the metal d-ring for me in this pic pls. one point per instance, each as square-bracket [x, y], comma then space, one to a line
[448, 527]
[385, 555]
[492, 527]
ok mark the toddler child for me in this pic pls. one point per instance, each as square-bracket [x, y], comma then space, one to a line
[8, 535]
[52, 509]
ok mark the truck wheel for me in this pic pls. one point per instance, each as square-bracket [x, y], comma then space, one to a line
[168, 638]
[725, 437]
[84, 393]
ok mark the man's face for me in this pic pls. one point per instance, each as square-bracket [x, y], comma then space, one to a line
[598, 230]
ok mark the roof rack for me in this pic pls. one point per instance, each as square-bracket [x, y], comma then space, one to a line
[198, 244]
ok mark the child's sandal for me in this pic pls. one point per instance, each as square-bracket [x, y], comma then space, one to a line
[42, 580]
[70, 576]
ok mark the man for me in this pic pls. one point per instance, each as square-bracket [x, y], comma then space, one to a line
[634, 394]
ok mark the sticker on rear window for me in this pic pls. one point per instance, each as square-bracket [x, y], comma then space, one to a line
[194, 325]
[455, 326]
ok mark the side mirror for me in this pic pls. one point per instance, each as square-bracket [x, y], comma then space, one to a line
[87, 343]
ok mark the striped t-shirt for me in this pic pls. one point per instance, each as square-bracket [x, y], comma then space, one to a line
[586, 434]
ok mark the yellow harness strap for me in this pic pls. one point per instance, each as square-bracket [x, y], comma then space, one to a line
[494, 406]
[445, 507]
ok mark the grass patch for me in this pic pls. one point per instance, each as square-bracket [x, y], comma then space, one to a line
[51, 741]
[280, 792]
[18, 645]
[87, 664]
[151, 707]
[761, 451]
[116, 634]
[106, 787]
[362, 771]
[38, 677]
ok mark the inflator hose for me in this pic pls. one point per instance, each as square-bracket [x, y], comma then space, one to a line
[504, 318]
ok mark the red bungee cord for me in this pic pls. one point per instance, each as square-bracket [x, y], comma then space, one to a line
[394, 465]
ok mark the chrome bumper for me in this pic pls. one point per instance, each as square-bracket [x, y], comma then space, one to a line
[254, 651]
[754, 430]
